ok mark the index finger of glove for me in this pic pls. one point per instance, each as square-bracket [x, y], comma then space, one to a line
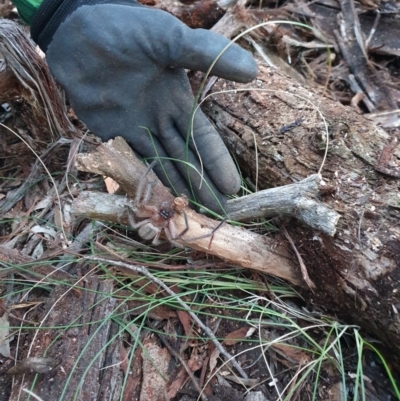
[199, 48]
[174, 44]
[176, 175]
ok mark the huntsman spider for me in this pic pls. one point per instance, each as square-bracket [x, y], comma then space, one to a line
[157, 219]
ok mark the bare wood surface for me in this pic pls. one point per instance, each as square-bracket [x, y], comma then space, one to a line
[115, 159]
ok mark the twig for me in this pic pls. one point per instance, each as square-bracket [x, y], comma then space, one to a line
[295, 200]
[80, 241]
[303, 267]
[234, 245]
[184, 364]
[207, 330]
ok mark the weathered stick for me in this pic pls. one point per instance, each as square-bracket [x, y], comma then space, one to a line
[295, 200]
[235, 245]
[290, 200]
[116, 159]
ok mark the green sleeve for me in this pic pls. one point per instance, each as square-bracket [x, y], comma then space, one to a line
[27, 8]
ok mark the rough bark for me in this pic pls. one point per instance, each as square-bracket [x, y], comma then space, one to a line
[357, 271]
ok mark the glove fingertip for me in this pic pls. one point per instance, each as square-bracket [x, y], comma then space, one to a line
[247, 68]
[236, 64]
[231, 184]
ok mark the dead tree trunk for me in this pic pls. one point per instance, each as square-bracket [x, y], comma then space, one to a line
[275, 129]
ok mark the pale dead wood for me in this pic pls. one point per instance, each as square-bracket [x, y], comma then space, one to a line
[113, 208]
[116, 160]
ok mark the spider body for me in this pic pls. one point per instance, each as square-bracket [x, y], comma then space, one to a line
[156, 219]
[159, 219]
[166, 212]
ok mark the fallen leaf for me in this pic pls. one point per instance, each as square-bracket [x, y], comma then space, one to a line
[214, 359]
[185, 321]
[44, 203]
[176, 385]
[292, 354]
[111, 185]
[239, 335]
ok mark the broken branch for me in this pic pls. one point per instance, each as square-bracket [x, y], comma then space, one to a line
[235, 245]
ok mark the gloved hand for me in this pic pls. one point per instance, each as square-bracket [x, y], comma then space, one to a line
[122, 67]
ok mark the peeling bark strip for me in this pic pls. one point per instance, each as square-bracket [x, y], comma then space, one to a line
[24, 73]
[356, 272]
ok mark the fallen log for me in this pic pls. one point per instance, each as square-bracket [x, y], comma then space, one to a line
[356, 272]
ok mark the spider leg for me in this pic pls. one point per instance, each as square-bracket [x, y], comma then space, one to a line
[141, 223]
[210, 234]
[186, 229]
[156, 239]
[131, 220]
[144, 188]
[147, 192]
[170, 233]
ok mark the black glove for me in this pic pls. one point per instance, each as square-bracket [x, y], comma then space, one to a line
[122, 67]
